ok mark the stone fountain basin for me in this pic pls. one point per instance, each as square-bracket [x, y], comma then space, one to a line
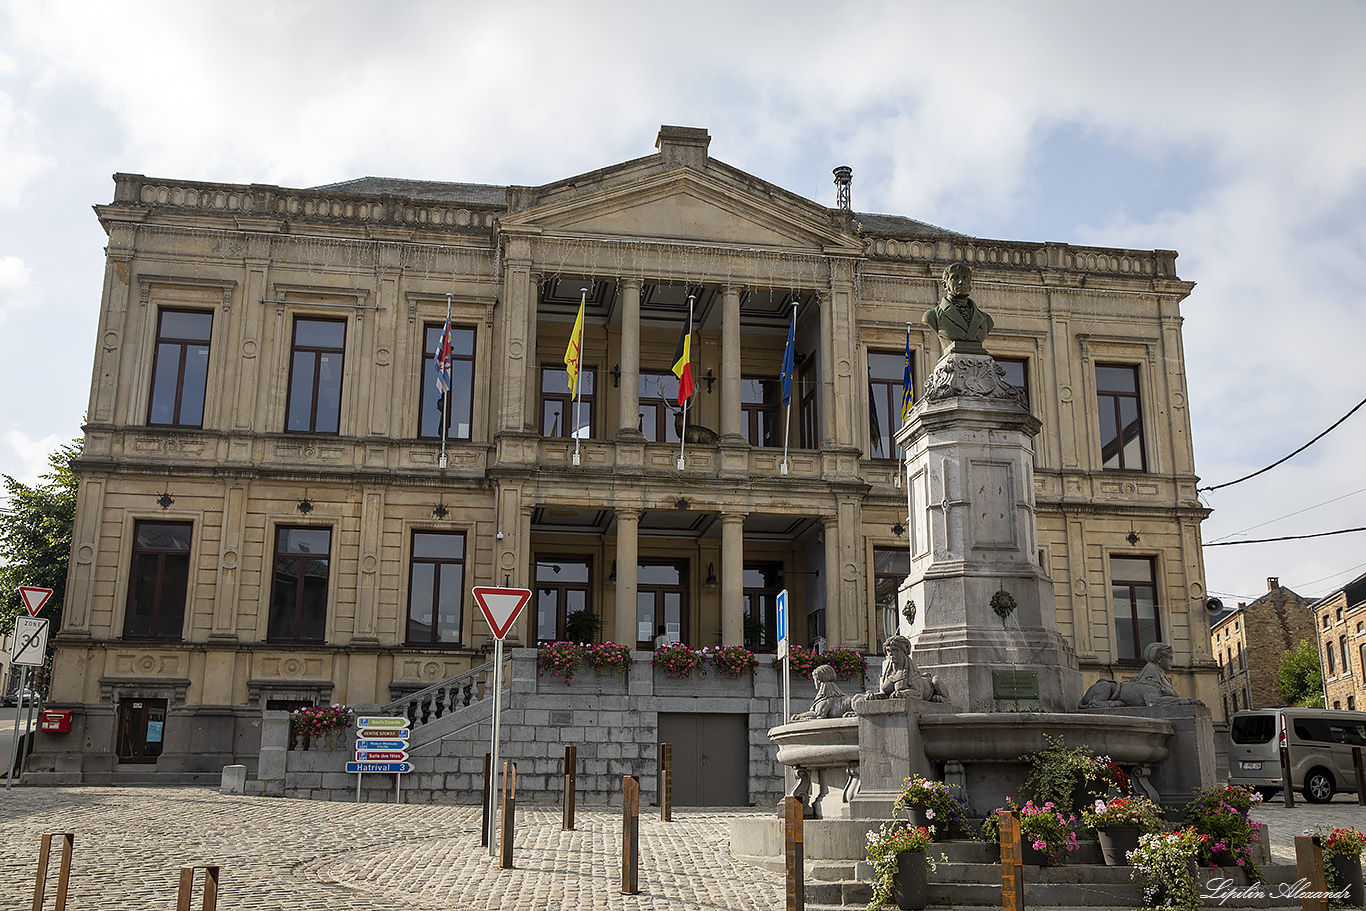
[817, 744]
[1004, 737]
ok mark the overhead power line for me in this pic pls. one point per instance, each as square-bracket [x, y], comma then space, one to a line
[1286, 459]
[1321, 534]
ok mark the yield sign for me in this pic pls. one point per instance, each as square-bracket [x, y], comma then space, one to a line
[501, 606]
[34, 598]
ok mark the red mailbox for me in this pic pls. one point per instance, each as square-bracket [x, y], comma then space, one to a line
[55, 721]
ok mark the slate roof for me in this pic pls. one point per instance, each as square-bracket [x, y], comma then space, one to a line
[470, 193]
[874, 223]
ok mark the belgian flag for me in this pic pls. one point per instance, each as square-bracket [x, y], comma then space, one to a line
[683, 363]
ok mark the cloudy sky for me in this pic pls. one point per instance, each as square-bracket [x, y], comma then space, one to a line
[1234, 133]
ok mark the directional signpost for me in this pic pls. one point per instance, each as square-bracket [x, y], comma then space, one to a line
[500, 607]
[28, 650]
[381, 748]
[783, 653]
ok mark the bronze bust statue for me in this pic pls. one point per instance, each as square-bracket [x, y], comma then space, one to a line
[957, 319]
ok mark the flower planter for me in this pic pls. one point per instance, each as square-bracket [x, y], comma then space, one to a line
[1116, 842]
[1347, 875]
[910, 882]
[1031, 856]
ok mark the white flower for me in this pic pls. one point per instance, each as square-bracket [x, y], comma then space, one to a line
[929, 814]
[1100, 806]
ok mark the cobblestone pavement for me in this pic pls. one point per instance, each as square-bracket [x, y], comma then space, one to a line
[1285, 823]
[299, 854]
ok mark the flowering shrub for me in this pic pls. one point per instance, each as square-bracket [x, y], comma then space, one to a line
[1105, 773]
[317, 722]
[1221, 815]
[1123, 811]
[1162, 864]
[678, 660]
[885, 845]
[732, 660]
[847, 663]
[1042, 827]
[610, 656]
[1346, 841]
[943, 803]
[558, 659]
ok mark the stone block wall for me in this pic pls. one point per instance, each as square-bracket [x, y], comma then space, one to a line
[613, 723]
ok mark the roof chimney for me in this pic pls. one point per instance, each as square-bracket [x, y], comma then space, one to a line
[1273, 583]
[844, 176]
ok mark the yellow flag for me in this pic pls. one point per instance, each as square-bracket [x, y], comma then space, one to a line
[571, 353]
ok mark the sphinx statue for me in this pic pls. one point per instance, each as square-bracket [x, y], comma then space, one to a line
[830, 701]
[1151, 686]
[901, 678]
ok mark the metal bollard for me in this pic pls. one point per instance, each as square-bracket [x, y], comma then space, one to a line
[488, 799]
[63, 871]
[630, 835]
[1361, 776]
[509, 812]
[666, 782]
[793, 840]
[570, 777]
[182, 900]
[1309, 867]
[1285, 777]
[1012, 862]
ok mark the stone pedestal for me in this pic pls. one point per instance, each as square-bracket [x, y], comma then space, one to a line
[890, 751]
[1190, 763]
[973, 538]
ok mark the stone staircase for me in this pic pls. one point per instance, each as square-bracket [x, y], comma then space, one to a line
[452, 705]
[971, 878]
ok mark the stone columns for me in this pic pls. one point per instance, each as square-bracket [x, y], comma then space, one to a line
[835, 625]
[627, 426]
[518, 326]
[628, 524]
[730, 365]
[732, 578]
[532, 420]
[825, 380]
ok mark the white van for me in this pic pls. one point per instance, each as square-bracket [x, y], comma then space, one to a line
[1320, 743]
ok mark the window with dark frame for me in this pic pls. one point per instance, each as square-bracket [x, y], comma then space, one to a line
[886, 376]
[1135, 599]
[1346, 662]
[317, 359]
[436, 588]
[810, 426]
[159, 580]
[1332, 667]
[658, 396]
[557, 406]
[180, 368]
[298, 599]
[563, 587]
[1121, 421]
[1017, 375]
[661, 601]
[762, 583]
[461, 396]
[760, 406]
[891, 565]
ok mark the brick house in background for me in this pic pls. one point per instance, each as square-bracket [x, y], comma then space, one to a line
[1340, 622]
[1250, 641]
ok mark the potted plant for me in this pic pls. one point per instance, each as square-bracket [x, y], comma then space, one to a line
[1119, 822]
[732, 660]
[898, 852]
[847, 663]
[932, 803]
[678, 660]
[1047, 835]
[1060, 773]
[582, 626]
[1164, 865]
[1342, 863]
[558, 659]
[1221, 814]
[1104, 776]
[610, 656]
[319, 726]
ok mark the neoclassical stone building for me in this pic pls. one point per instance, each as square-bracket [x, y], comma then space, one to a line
[265, 519]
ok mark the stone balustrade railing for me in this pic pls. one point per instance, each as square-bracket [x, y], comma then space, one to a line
[472, 687]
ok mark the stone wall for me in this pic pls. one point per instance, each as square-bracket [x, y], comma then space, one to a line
[612, 721]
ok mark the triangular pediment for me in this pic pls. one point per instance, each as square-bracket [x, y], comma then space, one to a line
[683, 204]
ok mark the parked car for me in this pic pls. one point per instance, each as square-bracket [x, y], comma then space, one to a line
[27, 695]
[1319, 742]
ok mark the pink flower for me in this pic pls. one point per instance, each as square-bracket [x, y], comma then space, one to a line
[1040, 844]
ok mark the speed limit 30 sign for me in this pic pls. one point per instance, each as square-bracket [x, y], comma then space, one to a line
[30, 641]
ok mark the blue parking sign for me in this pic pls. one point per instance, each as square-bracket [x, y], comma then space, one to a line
[782, 622]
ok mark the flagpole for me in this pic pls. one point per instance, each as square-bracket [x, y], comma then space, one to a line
[683, 437]
[446, 397]
[787, 419]
[578, 371]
